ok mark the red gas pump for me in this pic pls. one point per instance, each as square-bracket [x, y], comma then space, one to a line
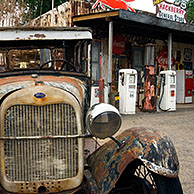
[184, 86]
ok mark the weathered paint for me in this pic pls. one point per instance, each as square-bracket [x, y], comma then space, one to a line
[29, 33]
[70, 84]
[52, 95]
[152, 147]
[91, 186]
[149, 102]
[62, 15]
[12, 13]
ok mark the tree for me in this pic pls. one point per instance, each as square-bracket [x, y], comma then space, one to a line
[39, 7]
[190, 9]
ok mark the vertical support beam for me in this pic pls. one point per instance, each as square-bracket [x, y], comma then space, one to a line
[169, 50]
[53, 4]
[110, 43]
[52, 13]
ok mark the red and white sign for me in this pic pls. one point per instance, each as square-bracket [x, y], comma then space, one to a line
[118, 44]
[162, 58]
[114, 4]
[170, 11]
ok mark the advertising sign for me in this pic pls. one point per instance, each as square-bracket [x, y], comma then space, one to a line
[162, 58]
[170, 11]
[118, 44]
[114, 4]
[165, 9]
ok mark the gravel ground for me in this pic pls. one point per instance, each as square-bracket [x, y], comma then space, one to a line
[179, 126]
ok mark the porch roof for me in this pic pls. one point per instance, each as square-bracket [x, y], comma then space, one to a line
[138, 23]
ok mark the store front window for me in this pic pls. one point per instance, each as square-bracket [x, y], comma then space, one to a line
[119, 62]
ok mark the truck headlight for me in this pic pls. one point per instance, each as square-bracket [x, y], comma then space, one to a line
[103, 120]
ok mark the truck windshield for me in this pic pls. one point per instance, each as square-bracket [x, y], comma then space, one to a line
[66, 57]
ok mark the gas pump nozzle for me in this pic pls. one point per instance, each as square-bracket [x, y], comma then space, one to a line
[122, 78]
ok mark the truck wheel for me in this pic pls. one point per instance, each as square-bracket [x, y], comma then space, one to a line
[137, 179]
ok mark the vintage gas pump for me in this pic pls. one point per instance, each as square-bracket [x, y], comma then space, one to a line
[149, 101]
[184, 87]
[167, 100]
[127, 91]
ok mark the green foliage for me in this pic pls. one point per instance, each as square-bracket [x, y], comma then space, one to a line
[190, 11]
[39, 7]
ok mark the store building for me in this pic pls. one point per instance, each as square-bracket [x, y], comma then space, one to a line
[138, 41]
[123, 39]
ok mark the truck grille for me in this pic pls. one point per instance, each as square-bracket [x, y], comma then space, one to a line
[40, 159]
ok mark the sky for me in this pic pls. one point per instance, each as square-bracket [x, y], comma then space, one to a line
[145, 5]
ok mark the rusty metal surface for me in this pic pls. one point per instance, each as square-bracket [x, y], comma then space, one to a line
[154, 149]
[149, 101]
[62, 15]
[91, 186]
[72, 85]
[52, 95]
[12, 13]
[58, 33]
[2, 191]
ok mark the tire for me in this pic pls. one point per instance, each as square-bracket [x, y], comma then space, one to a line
[137, 179]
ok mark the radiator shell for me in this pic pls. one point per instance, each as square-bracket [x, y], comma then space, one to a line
[23, 100]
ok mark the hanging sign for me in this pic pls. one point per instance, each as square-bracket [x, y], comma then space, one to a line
[170, 11]
[118, 44]
[114, 4]
[162, 58]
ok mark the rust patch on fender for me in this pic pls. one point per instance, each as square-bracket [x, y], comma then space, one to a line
[152, 147]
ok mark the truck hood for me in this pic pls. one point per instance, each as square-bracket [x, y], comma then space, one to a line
[72, 85]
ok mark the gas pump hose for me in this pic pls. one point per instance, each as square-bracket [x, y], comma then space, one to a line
[162, 95]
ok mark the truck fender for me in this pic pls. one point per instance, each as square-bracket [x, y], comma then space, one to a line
[150, 146]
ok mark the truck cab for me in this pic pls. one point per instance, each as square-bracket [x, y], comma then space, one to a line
[45, 119]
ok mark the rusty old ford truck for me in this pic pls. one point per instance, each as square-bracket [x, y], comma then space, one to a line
[46, 120]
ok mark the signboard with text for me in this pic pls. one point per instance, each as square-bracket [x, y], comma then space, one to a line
[157, 1]
[118, 44]
[170, 11]
[162, 58]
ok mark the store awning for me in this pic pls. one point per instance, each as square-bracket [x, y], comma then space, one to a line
[139, 23]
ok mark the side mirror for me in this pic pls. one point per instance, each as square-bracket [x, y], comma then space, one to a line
[103, 120]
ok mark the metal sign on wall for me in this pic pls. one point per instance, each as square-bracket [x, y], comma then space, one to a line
[118, 44]
[170, 11]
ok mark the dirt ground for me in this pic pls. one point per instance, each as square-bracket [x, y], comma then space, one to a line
[179, 126]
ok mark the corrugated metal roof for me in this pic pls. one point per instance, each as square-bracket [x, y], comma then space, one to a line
[11, 13]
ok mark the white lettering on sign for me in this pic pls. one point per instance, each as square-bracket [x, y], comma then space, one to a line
[171, 12]
[119, 44]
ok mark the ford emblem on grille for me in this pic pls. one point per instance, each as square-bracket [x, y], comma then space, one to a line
[39, 95]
